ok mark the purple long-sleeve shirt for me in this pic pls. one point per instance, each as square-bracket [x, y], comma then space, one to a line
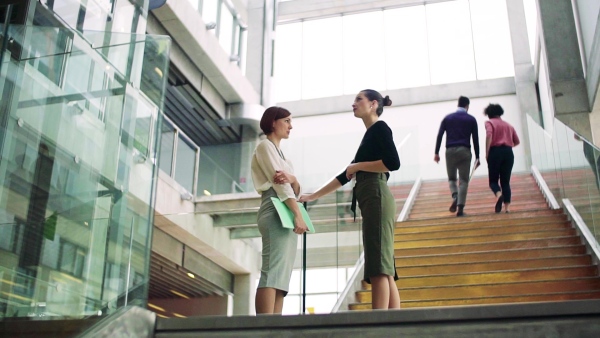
[459, 128]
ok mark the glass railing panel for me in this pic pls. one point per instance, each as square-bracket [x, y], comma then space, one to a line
[167, 147]
[78, 171]
[542, 154]
[225, 169]
[569, 164]
[579, 182]
[186, 163]
[75, 277]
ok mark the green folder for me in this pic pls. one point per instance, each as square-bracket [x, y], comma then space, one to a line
[286, 216]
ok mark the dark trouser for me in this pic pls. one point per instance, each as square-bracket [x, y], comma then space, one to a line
[500, 163]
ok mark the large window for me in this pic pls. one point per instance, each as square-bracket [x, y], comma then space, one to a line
[322, 49]
[446, 42]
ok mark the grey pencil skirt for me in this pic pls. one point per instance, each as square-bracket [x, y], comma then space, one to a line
[378, 210]
[279, 246]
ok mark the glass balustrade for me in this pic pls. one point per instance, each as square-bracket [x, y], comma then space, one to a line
[82, 271]
[79, 124]
[569, 164]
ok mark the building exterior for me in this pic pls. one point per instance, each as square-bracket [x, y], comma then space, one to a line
[128, 127]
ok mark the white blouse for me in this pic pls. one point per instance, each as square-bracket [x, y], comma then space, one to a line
[265, 160]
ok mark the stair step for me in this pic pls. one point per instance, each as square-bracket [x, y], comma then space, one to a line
[475, 231]
[494, 277]
[481, 204]
[483, 247]
[588, 284]
[441, 225]
[493, 266]
[533, 254]
[489, 300]
[502, 217]
[491, 256]
[472, 212]
[491, 239]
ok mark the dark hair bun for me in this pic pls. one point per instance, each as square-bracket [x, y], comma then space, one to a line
[387, 101]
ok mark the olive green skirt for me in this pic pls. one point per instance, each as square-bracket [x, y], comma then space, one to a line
[279, 246]
[378, 210]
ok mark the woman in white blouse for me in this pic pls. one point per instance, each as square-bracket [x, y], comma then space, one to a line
[273, 176]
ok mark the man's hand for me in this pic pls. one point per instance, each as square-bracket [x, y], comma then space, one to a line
[436, 158]
[477, 163]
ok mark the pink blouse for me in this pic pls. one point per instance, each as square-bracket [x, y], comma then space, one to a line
[501, 133]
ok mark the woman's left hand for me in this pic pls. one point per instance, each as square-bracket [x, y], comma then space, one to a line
[281, 177]
[351, 170]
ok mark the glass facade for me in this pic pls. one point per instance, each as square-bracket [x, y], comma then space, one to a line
[79, 122]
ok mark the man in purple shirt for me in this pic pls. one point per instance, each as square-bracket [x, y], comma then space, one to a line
[459, 128]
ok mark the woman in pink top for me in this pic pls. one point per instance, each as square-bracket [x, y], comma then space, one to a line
[500, 138]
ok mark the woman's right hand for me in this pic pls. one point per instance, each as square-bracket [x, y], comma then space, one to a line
[307, 198]
[299, 225]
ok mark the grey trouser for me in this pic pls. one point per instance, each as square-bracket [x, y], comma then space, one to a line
[458, 159]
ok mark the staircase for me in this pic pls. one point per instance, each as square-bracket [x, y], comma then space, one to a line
[532, 254]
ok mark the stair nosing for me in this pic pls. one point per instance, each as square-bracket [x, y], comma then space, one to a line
[475, 236]
[497, 261]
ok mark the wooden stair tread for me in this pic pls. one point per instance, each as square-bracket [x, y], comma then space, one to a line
[483, 231]
[493, 266]
[490, 256]
[489, 239]
[532, 254]
[553, 297]
[517, 288]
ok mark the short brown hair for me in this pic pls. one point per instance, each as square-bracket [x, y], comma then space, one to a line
[270, 115]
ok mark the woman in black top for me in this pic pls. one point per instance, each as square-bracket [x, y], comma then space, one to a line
[375, 158]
